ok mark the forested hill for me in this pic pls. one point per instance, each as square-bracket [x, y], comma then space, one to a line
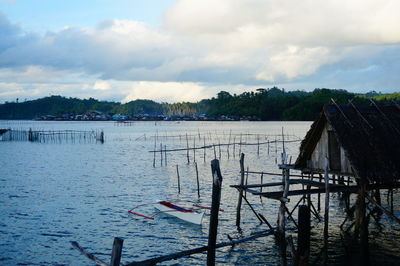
[265, 104]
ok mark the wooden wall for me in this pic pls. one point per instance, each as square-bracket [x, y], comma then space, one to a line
[321, 152]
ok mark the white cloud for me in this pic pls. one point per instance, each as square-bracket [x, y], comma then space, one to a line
[166, 91]
[207, 44]
[101, 85]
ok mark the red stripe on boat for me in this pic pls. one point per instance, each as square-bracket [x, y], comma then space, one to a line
[172, 206]
[145, 216]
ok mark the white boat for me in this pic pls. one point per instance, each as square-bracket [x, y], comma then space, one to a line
[194, 215]
[188, 215]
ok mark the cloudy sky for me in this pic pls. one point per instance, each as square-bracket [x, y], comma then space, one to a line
[186, 50]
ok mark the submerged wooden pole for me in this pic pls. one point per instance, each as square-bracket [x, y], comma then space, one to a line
[362, 221]
[194, 149]
[165, 154]
[161, 154]
[179, 181]
[187, 149]
[116, 251]
[216, 198]
[303, 236]
[204, 146]
[239, 205]
[282, 218]
[234, 145]
[197, 178]
[326, 214]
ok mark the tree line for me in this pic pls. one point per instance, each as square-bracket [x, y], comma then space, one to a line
[264, 104]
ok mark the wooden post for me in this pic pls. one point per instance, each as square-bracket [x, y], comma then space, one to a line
[179, 181]
[258, 145]
[281, 217]
[194, 149]
[219, 149]
[165, 154]
[240, 144]
[326, 214]
[239, 205]
[216, 198]
[229, 142]
[204, 142]
[187, 149]
[362, 223]
[215, 153]
[247, 180]
[161, 154]
[30, 137]
[319, 195]
[261, 182]
[102, 136]
[197, 178]
[116, 251]
[234, 145]
[303, 236]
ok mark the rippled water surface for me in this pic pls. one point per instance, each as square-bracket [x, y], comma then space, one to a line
[53, 193]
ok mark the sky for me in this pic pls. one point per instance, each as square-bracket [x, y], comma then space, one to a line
[188, 50]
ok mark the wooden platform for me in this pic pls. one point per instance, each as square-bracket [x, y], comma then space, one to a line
[298, 192]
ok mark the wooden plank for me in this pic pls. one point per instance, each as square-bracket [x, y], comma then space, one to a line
[332, 188]
[292, 181]
[88, 255]
[202, 249]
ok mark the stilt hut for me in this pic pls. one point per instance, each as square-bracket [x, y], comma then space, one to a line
[357, 142]
[348, 149]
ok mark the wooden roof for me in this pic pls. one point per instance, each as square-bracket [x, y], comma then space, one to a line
[369, 135]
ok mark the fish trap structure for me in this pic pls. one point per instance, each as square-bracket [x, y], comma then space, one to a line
[47, 136]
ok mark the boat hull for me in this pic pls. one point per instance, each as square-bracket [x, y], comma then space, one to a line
[191, 217]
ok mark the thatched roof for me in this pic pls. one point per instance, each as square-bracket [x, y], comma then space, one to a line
[369, 135]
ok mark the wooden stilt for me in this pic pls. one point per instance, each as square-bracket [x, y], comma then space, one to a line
[116, 251]
[239, 205]
[281, 218]
[362, 223]
[216, 198]
[187, 149]
[161, 154]
[204, 145]
[197, 178]
[165, 154]
[326, 214]
[303, 236]
[179, 181]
